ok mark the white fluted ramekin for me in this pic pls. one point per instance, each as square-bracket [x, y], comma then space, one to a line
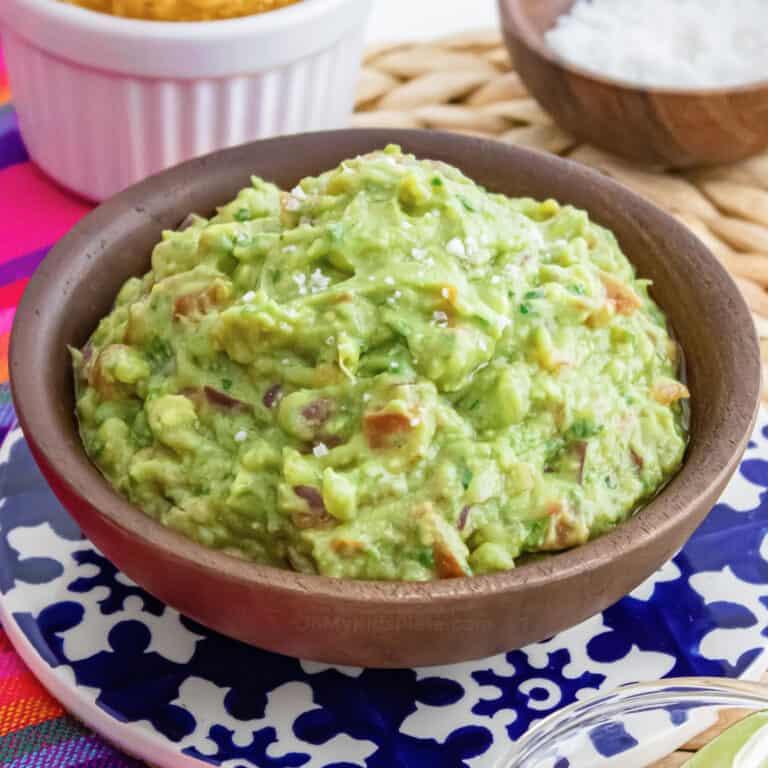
[105, 101]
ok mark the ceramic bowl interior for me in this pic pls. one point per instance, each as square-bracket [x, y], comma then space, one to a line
[375, 623]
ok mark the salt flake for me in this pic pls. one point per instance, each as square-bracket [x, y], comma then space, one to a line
[456, 248]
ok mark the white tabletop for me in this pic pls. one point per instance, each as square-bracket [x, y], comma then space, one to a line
[424, 19]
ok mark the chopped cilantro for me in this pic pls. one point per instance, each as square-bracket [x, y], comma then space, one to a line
[158, 352]
[533, 295]
[474, 405]
[425, 556]
[553, 450]
[226, 384]
[610, 481]
[466, 477]
[276, 275]
[524, 309]
[242, 215]
[467, 204]
[436, 181]
[94, 446]
[537, 530]
[583, 429]
[576, 288]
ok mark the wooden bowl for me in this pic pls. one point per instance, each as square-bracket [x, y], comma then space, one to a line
[675, 128]
[383, 624]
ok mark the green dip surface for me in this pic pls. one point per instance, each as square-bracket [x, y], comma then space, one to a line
[387, 373]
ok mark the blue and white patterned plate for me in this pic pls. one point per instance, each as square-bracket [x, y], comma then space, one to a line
[172, 692]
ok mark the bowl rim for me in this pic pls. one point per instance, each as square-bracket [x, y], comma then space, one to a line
[101, 21]
[51, 444]
[171, 49]
[516, 21]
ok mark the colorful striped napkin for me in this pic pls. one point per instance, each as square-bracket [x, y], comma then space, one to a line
[35, 731]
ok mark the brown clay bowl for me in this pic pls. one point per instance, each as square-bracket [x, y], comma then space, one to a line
[675, 128]
[382, 624]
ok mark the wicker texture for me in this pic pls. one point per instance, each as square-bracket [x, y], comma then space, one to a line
[466, 83]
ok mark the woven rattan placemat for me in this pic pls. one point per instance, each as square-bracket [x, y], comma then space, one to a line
[466, 83]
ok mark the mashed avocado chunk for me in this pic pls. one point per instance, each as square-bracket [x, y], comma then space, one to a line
[386, 373]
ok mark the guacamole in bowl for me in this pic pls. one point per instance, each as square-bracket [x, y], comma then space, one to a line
[386, 373]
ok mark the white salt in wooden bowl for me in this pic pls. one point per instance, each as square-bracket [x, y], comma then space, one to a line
[669, 127]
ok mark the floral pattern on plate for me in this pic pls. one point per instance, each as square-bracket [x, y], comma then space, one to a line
[178, 694]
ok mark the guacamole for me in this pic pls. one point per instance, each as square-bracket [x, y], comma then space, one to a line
[386, 373]
[743, 745]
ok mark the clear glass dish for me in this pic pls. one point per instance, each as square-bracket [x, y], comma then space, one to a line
[640, 725]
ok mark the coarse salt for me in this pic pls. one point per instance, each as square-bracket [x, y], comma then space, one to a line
[389, 280]
[456, 248]
[320, 450]
[249, 296]
[292, 204]
[299, 193]
[241, 436]
[667, 43]
[318, 281]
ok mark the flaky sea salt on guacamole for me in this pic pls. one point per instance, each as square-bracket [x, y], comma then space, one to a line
[386, 373]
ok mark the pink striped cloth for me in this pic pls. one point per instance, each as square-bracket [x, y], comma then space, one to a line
[34, 211]
[35, 731]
